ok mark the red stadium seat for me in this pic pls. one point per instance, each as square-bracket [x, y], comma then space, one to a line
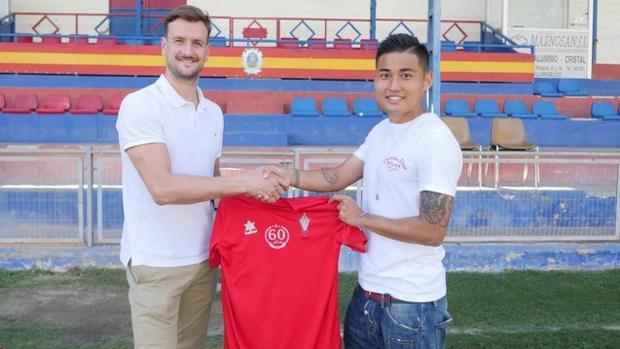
[87, 104]
[289, 43]
[342, 44]
[105, 40]
[79, 40]
[22, 103]
[369, 44]
[48, 39]
[114, 105]
[317, 43]
[23, 39]
[2, 101]
[55, 104]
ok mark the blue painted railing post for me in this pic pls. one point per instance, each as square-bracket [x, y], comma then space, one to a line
[139, 10]
[433, 43]
[373, 19]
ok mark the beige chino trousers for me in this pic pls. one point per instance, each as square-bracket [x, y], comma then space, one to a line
[170, 307]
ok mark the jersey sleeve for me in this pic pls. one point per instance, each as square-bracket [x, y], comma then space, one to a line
[138, 122]
[352, 237]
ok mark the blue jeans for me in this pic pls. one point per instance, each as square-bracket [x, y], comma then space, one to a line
[370, 324]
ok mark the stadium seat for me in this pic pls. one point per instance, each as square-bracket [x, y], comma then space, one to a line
[22, 103]
[487, 108]
[289, 43]
[369, 44]
[448, 46]
[87, 104]
[303, 106]
[50, 39]
[509, 134]
[570, 87]
[105, 40]
[317, 43]
[366, 107]
[460, 129]
[23, 39]
[605, 111]
[218, 41]
[78, 39]
[518, 109]
[114, 105]
[2, 101]
[342, 44]
[546, 89]
[54, 104]
[458, 107]
[335, 107]
[547, 110]
[471, 46]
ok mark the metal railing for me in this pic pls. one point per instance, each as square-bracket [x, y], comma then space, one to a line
[72, 194]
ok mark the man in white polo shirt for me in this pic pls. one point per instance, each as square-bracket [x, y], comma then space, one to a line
[410, 164]
[170, 137]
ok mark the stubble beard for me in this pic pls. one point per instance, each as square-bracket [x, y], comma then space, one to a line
[177, 73]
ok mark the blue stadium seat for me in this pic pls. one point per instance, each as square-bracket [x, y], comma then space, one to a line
[487, 108]
[471, 46]
[458, 107]
[605, 111]
[448, 46]
[303, 106]
[570, 87]
[218, 41]
[366, 107]
[547, 110]
[518, 109]
[546, 89]
[335, 107]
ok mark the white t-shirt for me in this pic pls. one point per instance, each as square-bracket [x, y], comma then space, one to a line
[400, 161]
[167, 235]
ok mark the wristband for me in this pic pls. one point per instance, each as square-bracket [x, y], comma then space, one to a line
[359, 225]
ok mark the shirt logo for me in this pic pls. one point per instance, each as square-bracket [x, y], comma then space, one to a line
[304, 221]
[276, 236]
[393, 163]
[250, 228]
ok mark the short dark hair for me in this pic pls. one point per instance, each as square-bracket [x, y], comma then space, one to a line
[403, 43]
[188, 13]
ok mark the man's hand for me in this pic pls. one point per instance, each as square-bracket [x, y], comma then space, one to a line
[348, 210]
[282, 172]
[266, 186]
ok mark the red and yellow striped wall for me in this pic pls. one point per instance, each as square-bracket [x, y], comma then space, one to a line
[227, 62]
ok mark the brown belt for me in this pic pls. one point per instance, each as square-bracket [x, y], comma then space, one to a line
[382, 298]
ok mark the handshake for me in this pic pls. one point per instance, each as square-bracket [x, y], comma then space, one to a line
[268, 183]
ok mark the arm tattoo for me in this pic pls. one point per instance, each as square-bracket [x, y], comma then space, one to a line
[296, 179]
[330, 175]
[436, 208]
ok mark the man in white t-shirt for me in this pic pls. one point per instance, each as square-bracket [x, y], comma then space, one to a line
[410, 164]
[170, 137]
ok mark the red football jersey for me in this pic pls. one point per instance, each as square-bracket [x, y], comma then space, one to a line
[280, 271]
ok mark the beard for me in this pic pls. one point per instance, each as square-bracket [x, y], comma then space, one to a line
[177, 73]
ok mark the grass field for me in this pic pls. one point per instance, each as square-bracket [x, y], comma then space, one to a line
[520, 309]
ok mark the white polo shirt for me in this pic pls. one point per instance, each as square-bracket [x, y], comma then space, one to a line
[167, 235]
[400, 161]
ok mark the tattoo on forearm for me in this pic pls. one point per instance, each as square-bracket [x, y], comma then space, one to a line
[296, 179]
[330, 175]
[436, 208]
